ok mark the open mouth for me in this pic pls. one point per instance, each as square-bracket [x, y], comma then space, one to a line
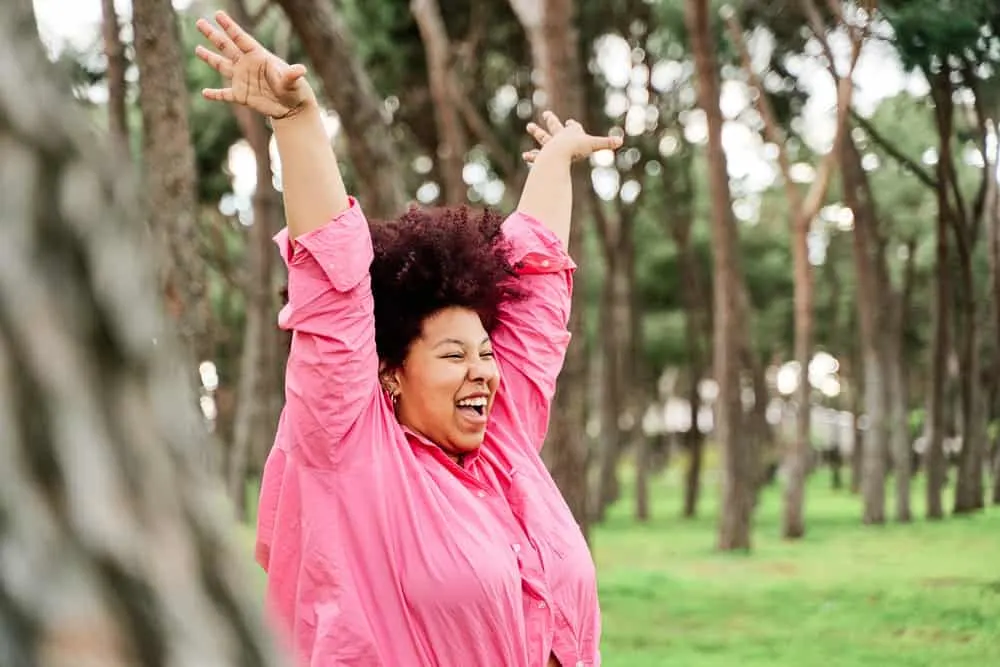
[475, 405]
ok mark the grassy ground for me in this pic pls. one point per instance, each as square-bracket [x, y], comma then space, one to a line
[845, 596]
[924, 594]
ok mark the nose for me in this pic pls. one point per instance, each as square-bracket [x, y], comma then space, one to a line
[482, 370]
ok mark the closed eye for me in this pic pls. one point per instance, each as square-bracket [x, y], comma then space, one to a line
[486, 355]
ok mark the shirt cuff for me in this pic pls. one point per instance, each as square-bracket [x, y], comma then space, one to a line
[342, 247]
[535, 248]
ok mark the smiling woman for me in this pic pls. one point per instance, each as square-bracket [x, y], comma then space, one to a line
[406, 517]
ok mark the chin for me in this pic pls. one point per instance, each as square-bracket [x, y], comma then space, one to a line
[466, 443]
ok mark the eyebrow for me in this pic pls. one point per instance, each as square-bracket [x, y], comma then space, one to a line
[455, 341]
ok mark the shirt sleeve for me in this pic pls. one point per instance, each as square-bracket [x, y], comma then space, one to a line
[531, 338]
[332, 373]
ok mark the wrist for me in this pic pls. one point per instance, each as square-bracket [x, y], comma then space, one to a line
[307, 107]
[554, 155]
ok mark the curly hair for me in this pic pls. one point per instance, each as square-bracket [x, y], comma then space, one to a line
[431, 259]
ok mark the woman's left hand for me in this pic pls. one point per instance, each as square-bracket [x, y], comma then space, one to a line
[568, 140]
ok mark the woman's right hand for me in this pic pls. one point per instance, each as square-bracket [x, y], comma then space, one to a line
[257, 78]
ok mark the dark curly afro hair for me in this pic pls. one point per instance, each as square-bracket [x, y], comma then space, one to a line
[431, 259]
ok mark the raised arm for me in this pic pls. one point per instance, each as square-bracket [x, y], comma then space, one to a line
[313, 187]
[548, 190]
[332, 373]
[532, 336]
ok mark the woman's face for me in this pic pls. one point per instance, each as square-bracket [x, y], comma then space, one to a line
[448, 380]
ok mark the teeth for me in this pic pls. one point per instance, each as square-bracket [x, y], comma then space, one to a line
[477, 402]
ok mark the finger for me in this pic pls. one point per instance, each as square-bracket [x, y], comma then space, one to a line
[572, 123]
[225, 45]
[223, 66]
[529, 156]
[293, 74]
[552, 122]
[240, 37]
[605, 143]
[538, 134]
[218, 94]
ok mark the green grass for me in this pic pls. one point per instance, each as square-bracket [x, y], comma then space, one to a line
[845, 595]
[923, 594]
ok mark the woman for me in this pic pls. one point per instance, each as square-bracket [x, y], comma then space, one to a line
[406, 518]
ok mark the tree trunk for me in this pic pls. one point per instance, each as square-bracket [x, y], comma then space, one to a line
[694, 442]
[969, 478]
[802, 209]
[114, 51]
[992, 224]
[642, 470]
[377, 167]
[678, 186]
[255, 421]
[764, 446]
[170, 178]
[115, 554]
[550, 26]
[899, 389]
[935, 462]
[620, 395]
[729, 321]
[793, 524]
[852, 370]
[452, 144]
[867, 255]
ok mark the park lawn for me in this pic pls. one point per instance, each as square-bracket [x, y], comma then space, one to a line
[923, 594]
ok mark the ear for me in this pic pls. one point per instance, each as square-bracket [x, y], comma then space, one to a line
[389, 378]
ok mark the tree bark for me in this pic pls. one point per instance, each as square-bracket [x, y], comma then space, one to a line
[114, 51]
[803, 211]
[678, 185]
[934, 457]
[550, 26]
[992, 223]
[115, 553]
[729, 320]
[371, 150]
[620, 378]
[452, 143]
[969, 479]
[898, 393]
[255, 417]
[260, 377]
[871, 308]
[170, 178]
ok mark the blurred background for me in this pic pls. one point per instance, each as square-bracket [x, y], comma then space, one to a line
[779, 420]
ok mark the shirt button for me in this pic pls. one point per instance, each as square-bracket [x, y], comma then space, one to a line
[516, 548]
[580, 664]
[542, 605]
[481, 494]
[545, 263]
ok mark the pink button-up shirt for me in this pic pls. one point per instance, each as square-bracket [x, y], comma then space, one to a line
[382, 551]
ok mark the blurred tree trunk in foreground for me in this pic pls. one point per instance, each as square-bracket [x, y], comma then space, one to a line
[113, 552]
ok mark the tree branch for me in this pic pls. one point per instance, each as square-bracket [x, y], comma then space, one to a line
[481, 129]
[989, 170]
[894, 152]
[772, 131]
